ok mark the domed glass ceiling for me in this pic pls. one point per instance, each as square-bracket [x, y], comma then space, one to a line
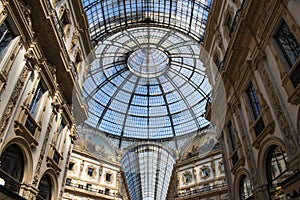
[147, 83]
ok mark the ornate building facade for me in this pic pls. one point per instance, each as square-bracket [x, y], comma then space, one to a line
[199, 173]
[145, 94]
[93, 177]
[255, 45]
[43, 49]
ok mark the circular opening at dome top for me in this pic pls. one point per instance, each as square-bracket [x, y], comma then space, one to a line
[148, 62]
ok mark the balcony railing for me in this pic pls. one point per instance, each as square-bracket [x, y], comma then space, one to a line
[92, 189]
[11, 183]
[210, 188]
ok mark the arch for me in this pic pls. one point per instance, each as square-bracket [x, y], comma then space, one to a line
[262, 155]
[27, 154]
[203, 142]
[50, 175]
[242, 172]
[149, 143]
[93, 141]
[12, 167]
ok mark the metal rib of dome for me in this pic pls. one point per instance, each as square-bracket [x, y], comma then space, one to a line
[107, 17]
[127, 104]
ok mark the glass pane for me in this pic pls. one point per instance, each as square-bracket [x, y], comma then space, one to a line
[5, 37]
[288, 44]
[253, 101]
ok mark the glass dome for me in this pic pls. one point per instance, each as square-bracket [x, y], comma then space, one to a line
[147, 83]
[148, 62]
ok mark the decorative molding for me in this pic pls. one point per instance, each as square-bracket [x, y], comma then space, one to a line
[65, 174]
[42, 153]
[248, 154]
[26, 9]
[74, 39]
[286, 131]
[12, 102]
[183, 178]
[8, 60]
[202, 175]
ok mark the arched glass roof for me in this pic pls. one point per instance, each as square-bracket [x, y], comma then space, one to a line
[147, 83]
[148, 170]
[107, 17]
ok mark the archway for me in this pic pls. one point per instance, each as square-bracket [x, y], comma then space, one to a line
[45, 188]
[12, 167]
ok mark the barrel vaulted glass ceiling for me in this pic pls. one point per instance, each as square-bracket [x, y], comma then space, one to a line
[148, 164]
[107, 17]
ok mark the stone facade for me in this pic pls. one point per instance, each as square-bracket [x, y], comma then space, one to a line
[200, 172]
[251, 41]
[91, 177]
[39, 72]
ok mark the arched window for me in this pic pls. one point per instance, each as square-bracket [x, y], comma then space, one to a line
[245, 188]
[276, 166]
[45, 188]
[12, 167]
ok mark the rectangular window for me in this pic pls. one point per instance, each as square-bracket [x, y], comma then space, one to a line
[253, 100]
[68, 181]
[5, 37]
[231, 135]
[59, 134]
[108, 177]
[36, 99]
[288, 44]
[90, 171]
[107, 191]
[71, 165]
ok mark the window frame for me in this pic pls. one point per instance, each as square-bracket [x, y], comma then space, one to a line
[90, 172]
[71, 164]
[280, 43]
[36, 99]
[245, 193]
[289, 74]
[185, 176]
[108, 177]
[254, 102]
[231, 134]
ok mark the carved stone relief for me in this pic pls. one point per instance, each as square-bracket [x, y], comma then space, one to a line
[283, 124]
[12, 102]
[42, 153]
[26, 9]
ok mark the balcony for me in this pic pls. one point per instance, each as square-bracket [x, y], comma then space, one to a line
[27, 127]
[291, 83]
[216, 188]
[90, 191]
[54, 158]
[11, 183]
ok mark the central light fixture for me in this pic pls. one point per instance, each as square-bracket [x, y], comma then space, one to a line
[148, 62]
